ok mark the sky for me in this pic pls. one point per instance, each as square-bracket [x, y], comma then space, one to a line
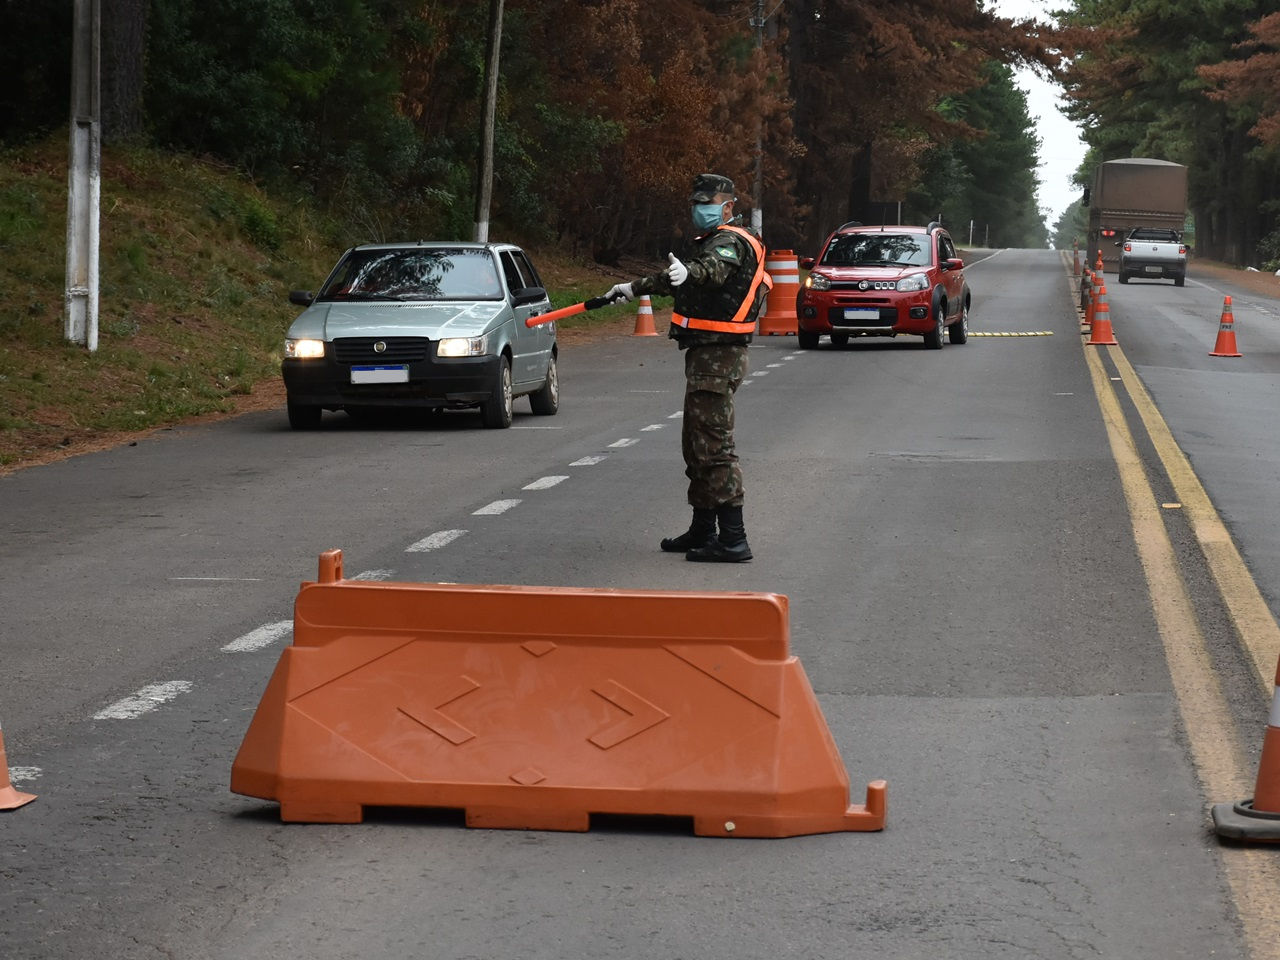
[1061, 148]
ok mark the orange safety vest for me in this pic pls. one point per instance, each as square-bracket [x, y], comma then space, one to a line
[740, 323]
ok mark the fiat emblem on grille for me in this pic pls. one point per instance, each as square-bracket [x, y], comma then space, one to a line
[864, 284]
[379, 346]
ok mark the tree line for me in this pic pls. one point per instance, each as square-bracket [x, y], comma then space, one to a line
[1196, 82]
[606, 108]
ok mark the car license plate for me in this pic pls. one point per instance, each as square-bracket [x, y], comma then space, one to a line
[1151, 269]
[395, 374]
[855, 313]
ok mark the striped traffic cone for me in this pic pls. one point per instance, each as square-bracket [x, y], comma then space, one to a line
[1258, 818]
[1226, 343]
[1100, 334]
[644, 318]
[10, 799]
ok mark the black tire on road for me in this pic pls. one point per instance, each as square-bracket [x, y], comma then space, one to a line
[546, 401]
[839, 339]
[933, 339]
[495, 413]
[1180, 280]
[303, 416]
[958, 332]
[807, 339]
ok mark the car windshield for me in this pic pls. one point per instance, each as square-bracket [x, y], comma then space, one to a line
[877, 250]
[414, 274]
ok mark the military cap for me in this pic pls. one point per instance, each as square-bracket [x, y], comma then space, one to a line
[707, 185]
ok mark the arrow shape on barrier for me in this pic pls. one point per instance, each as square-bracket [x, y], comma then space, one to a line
[641, 715]
[437, 722]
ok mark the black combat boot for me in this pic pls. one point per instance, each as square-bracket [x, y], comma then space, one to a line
[731, 546]
[701, 531]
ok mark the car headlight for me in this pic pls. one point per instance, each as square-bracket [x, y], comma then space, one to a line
[303, 349]
[917, 281]
[816, 281]
[462, 346]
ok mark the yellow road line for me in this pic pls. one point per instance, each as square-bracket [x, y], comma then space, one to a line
[1253, 874]
[1248, 610]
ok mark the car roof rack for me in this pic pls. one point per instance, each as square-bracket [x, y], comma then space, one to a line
[851, 223]
[932, 224]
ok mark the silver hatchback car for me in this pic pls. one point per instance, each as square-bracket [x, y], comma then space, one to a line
[429, 325]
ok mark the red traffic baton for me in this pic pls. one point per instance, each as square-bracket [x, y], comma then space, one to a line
[592, 304]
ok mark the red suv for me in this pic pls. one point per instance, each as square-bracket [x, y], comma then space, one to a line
[883, 281]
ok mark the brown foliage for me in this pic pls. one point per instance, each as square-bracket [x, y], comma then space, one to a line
[1254, 80]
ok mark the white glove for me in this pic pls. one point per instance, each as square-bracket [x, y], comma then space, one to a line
[620, 291]
[677, 272]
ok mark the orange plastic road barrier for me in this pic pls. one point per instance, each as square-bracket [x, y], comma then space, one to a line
[10, 799]
[1225, 346]
[1098, 266]
[779, 316]
[1100, 333]
[1258, 818]
[644, 318]
[535, 707]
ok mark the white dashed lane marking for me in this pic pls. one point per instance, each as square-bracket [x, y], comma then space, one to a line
[545, 483]
[374, 575]
[24, 774]
[263, 636]
[651, 427]
[441, 538]
[588, 461]
[495, 508]
[144, 701]
[625, 442]
[677, 415]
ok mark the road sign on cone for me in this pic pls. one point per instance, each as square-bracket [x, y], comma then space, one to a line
[536, 707]
[1100, 334]
[10, 799]
[644, 318]
[1226, 342]
[1258, 818]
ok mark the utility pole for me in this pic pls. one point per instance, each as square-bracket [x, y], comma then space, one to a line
[484, 176]
[84, 179]
[757, 187]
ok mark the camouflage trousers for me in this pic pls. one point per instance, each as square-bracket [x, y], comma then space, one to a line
[712, 375]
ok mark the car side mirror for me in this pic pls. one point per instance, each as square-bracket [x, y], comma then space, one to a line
[303, 298]
[953, 263]
[808, 263]
[528, 295]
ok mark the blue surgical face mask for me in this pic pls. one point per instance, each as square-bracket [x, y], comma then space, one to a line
[707, 216]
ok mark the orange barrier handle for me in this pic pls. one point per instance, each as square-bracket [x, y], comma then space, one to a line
[592, 304]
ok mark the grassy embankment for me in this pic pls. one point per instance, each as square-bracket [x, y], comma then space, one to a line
[196, 263]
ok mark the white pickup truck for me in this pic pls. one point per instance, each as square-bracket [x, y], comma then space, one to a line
[1153, 252]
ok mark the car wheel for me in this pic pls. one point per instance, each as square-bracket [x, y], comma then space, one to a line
[839, 339]
[496, 411]
[303, 416]
[546, 402]
[1180, 280]
[807, 339]
[933, 339]
[1124, 277]
[958, 332]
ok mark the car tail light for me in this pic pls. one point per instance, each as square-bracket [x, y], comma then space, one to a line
[1128, 248]
[1182, 249]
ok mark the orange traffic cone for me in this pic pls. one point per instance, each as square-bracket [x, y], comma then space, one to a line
[1258, 818]
[644, 318]
[1226, 344]
[1100, 334]
[10, 799]
[1098, 266]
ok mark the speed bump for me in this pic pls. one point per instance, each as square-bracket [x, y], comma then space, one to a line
[536, 707]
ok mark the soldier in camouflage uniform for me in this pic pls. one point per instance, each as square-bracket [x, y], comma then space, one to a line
[719, 288]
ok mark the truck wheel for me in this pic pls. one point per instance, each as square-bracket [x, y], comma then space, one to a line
[303, 416]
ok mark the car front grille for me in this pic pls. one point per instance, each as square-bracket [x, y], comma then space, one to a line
[398, 349]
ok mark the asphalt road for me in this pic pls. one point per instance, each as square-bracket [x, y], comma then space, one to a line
[969, 595]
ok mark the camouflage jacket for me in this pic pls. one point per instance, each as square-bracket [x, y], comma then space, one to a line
[721, 265]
